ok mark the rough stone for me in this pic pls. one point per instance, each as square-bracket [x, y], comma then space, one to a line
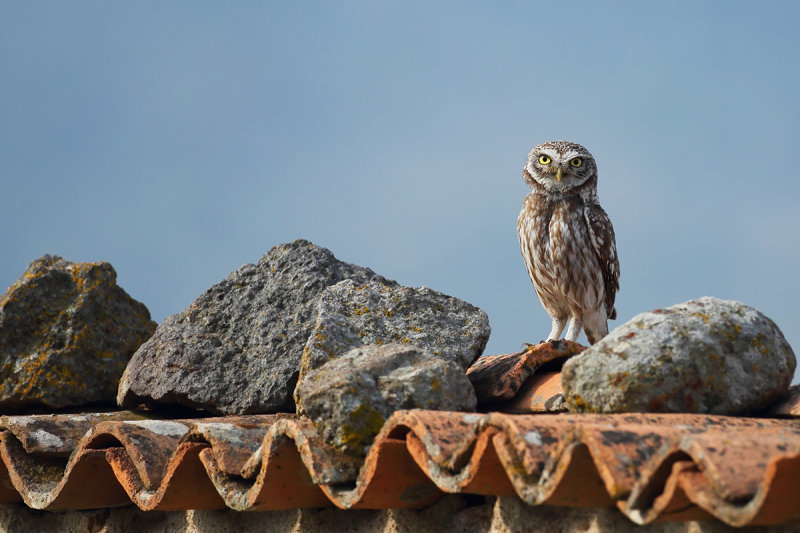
[702, 356]
[236, 349]
[353, 314]
[67, 330]
[350, 397]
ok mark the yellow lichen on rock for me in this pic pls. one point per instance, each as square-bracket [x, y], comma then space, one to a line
[66, 332]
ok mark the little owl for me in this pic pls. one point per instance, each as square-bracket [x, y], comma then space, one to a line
[567, 240]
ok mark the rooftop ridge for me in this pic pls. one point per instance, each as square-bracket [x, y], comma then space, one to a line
[651, 466]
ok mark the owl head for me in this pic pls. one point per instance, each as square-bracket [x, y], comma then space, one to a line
[559, 166]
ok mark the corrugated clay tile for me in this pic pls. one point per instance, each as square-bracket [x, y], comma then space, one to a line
[761, 495]
[542, 452]
[149, 443]
[186, 484]
[447, 436]
[125, 471]
[486, 472]
[8, 494]
[621, 450]
[776, 500]
[57, 435]
[35, 479]
[532, 439]
[89, 483]
[325, 464]
[499, 377]
[671, 504]
[733, 464]
[389, 479]
[735, 457]
[233, 439]
[483, 474]
[575, 482]
[85, 482]
[280, 482]
[655, 467]
[539, 394]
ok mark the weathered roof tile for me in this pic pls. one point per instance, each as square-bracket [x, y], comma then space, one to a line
[651, 466]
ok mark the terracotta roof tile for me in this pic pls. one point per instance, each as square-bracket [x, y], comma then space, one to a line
[499, 377]
[651, 466]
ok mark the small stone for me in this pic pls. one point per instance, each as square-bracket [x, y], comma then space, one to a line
[350, 397]
[236, 349]
[67, 330]
[352, 314]
[703, 356]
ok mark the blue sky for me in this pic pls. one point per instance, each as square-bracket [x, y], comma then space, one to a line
[180, 140]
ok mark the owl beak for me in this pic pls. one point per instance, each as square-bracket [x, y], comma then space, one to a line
[558, 174]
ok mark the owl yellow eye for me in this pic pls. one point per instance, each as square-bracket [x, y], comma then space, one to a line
[576, 162]
[545, 160]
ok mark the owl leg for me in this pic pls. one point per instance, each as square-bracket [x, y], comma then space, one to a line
[574, 329]
[596, 325]
[558, 327]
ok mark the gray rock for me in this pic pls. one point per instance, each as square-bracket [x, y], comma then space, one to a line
[236, 349]
[350, 397]
[702, 356]
[352, 314]
[66, 333]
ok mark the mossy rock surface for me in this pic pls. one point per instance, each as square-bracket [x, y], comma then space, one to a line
[67, 331]
[350, 397]
[703, 356]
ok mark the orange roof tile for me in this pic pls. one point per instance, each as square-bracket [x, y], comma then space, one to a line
[499, 377]
[652, 467]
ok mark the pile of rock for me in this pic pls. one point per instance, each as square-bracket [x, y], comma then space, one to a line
[243, 344]
[241, 347]
[302, 331]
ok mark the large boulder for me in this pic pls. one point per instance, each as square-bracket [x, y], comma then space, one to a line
[702, 356]
[67, 330]
[236, 349]
[352, 314]
[350, 397]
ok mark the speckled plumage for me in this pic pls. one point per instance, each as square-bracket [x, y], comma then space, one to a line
[567, 240]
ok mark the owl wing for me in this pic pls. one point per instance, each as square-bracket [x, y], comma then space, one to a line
[602, 234]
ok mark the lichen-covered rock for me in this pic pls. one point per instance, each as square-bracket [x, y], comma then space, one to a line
[67, 330]
[350, 397]
[236, 349]
[702, 356]
[352, 314]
